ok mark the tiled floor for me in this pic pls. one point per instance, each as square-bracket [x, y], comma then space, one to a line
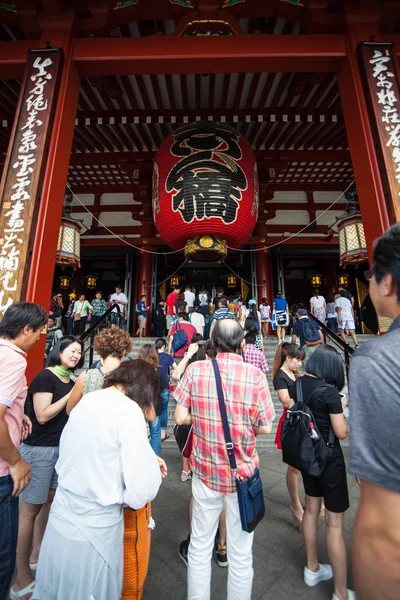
[278, 547]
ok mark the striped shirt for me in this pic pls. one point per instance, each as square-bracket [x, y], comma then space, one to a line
[248, 406]
[223, 313]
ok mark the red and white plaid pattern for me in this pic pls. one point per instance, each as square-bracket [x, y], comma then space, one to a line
[254, 356]
[248, 406]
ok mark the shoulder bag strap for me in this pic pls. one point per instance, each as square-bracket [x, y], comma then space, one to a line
[224, 418]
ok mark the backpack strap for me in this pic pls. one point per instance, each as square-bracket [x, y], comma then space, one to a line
[331, 436]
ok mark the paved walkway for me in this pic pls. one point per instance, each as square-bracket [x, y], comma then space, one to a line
[279, 555]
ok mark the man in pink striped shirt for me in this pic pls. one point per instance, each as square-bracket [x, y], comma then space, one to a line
[19, 330]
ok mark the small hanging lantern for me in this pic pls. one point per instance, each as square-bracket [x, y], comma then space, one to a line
[352, 242]
[91, 282]
[69, 243]
[342, 280]
[231, 280]
[64, 282]
[174, 281]
[316, 280]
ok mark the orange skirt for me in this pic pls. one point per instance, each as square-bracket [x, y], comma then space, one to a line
[137, 542]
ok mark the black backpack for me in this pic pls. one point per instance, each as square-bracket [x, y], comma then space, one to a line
[310, 332]
[299, 449]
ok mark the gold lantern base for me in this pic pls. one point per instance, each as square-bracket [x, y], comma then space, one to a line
[206, 249]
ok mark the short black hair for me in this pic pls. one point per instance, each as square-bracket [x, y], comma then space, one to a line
[227, 336]
[53, 358]
[220, 290]
[250, 337]
[386, 259]
[160, 343]
[177, 287]
[139, 380]
[183, 315]
[196, 338]
[223, 302]
[250, 326]
[143, 296]
[20, 315]
[326, 364]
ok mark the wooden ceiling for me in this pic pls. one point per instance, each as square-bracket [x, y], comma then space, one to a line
[293, 121]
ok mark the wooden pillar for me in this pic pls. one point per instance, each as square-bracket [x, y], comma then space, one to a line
[52, 197]
[364, 159]
[264, 275]
[143, 283]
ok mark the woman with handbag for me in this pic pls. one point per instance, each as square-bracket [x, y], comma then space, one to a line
[285, 371]
[82, 308]
[105, 462]
[325, 367]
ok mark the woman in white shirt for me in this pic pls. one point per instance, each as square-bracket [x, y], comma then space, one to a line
[318, 306]
[105, 462]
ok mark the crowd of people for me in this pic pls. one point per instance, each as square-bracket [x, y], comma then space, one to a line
[75, 450]
[79, 313]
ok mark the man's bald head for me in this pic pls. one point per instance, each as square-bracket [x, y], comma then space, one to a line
[227, 336]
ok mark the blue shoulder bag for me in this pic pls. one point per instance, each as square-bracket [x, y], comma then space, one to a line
[179, 339]
[249, 491]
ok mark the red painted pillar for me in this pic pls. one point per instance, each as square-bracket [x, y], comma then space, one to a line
[364, 160]
[143, 283]
[52, 197]
[264, 275]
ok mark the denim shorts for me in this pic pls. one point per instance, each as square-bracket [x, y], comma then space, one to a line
[42, 461]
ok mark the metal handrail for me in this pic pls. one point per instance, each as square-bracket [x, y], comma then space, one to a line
[90, 333]
[336, 339]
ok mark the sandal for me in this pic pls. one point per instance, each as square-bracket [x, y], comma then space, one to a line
[21, 593]
[296, 520]
[186, 475]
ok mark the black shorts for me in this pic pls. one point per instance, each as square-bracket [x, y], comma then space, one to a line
[331, 485]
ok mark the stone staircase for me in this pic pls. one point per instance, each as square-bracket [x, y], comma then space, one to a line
[270, 346]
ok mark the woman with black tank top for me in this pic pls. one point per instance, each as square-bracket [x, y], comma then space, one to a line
[45, 406]
[324, 370]
[285, 372]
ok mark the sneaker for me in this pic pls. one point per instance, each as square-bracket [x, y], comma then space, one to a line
[183, 550]
[221, 555]
[186, 476]
[352, 595]
[324, 573]
[357, 346]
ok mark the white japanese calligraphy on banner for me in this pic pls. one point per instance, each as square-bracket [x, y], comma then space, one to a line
[383, 89]
[21, 179]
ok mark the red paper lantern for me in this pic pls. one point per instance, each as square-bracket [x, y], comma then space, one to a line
[205, 190]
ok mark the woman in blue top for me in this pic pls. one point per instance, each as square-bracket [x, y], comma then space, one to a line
[281, 311]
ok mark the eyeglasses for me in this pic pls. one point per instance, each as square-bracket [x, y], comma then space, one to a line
[368, 275]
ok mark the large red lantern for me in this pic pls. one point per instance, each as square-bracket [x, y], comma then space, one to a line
[205, 190]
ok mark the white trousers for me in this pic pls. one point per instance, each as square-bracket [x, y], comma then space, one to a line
[207, 506]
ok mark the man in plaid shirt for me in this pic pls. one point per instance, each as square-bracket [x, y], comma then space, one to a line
[253, 355]
[250, 412]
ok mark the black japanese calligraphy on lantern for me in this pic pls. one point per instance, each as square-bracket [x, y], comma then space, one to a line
[208, 181]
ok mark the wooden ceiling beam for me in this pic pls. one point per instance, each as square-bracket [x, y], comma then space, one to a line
[241, 114]
[303, 240]
[106, 158]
